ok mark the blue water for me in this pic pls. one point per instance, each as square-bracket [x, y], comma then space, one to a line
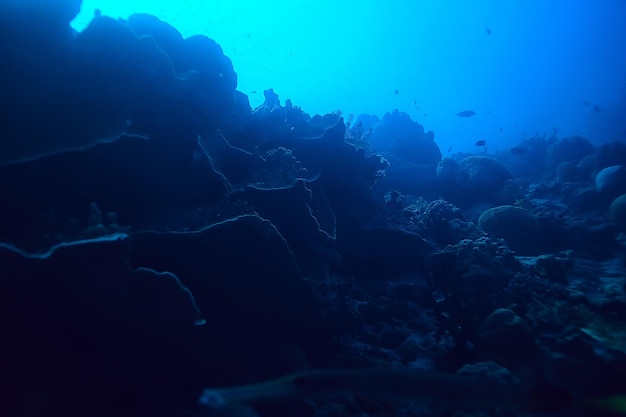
[398, 209]
[525, 67]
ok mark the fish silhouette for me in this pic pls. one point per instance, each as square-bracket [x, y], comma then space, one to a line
[466, 113]
[535, 397]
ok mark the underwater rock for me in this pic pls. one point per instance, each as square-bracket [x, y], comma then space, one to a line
[95, 274]
[572, 149]
[199, 60]
[611, 181]
[242, 273]
[609, 154]
[584, 199]
[381, 253]
[551, 267]
[409, 178]
[36, 50]
[235, 164]
[280, 169]
[596, 240]
[480, 266]
[400, 137]
[91, 87]
[585, 167]
[445, 224]
[506, 339]
[569, 172]
[486, 253]
[479, 178]
[580, 363]
[412, 153]
[618, 212]
[487, 371]
[318, 142]
[517, 226]
[289, 210]
[478, 280]
[167, 37]
[35, 12]
[139, 179]
[447, 170]
[271, 99]
[81, 311]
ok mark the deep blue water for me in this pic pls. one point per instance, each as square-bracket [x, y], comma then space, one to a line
[396, 210]
[525, 67]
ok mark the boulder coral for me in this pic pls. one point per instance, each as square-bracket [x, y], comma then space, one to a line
[572, 149]
[517, 226]
[618, 211]
[478, 178]
[611, 181]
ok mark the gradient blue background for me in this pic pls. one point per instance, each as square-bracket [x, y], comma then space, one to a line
[543, 60]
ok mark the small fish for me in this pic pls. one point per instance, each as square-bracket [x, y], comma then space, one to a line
[487, 30]
[253, 92]
[596, 108]
[466, 113]
[396, 92]
[450, 149]
[481, 142]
